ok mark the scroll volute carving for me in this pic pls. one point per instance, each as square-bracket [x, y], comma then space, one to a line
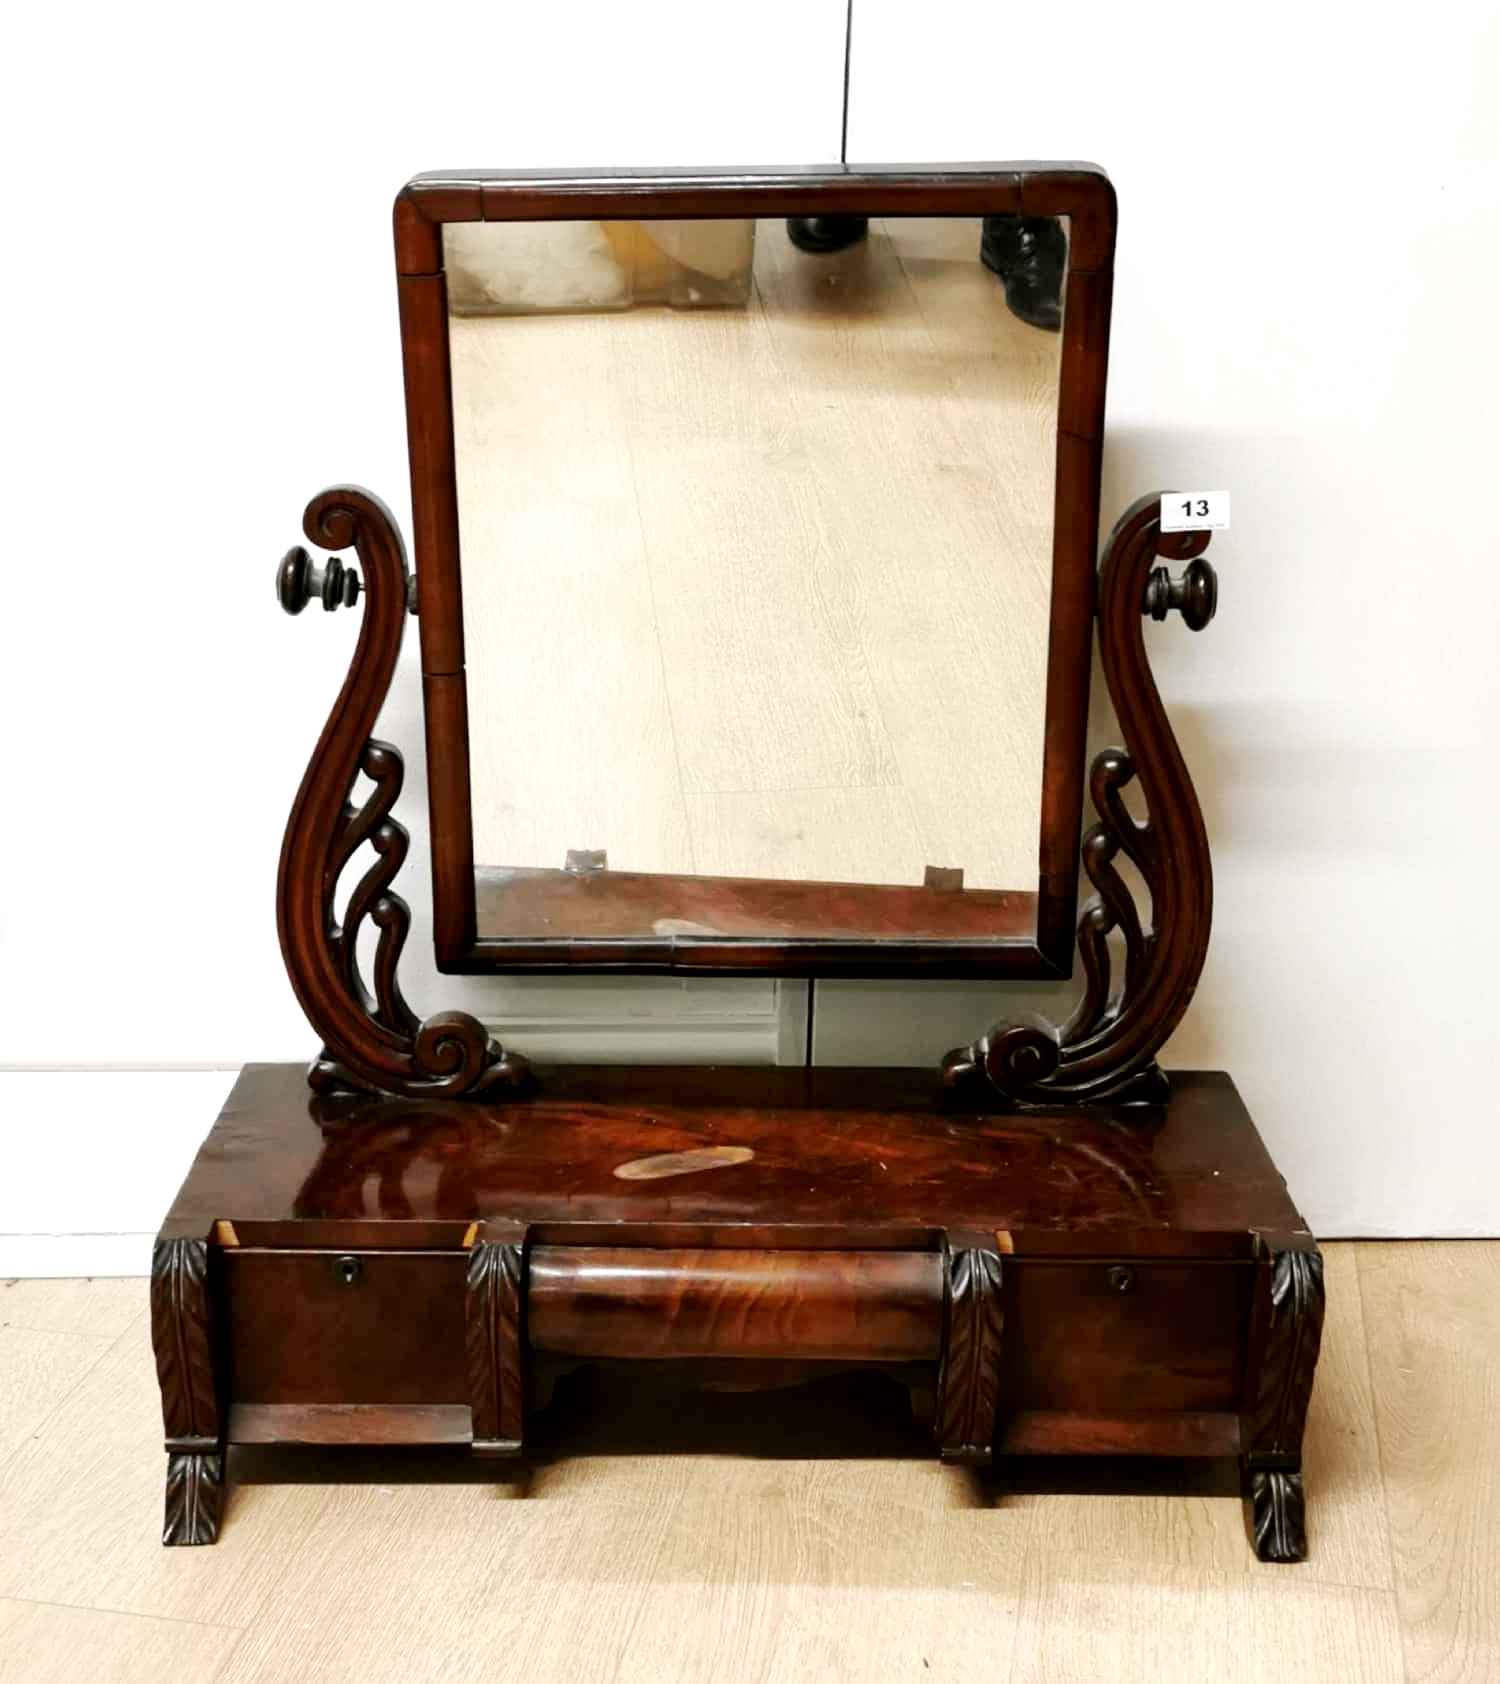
[1106, 1051]
[371, 1041]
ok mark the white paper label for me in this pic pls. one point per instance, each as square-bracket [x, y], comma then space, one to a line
[1195, 511]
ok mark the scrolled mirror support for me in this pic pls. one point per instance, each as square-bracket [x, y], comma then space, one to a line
[371, 1042]
[1106, 1051]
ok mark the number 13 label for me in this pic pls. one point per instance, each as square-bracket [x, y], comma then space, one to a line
[1195, 511]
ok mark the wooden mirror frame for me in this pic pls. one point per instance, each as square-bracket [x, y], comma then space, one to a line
[1038, 925]
[1104, 1053]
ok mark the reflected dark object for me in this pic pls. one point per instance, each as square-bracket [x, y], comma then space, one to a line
[1030, 255]
[822, 235]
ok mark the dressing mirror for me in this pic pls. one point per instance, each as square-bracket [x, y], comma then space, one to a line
[755, 522]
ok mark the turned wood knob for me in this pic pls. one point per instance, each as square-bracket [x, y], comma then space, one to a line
[1195, 595]
[299, 579]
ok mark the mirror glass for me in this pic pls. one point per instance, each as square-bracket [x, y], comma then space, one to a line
[755, 530]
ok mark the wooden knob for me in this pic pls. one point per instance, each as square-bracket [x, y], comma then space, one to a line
[299, 579]
[1195, 595]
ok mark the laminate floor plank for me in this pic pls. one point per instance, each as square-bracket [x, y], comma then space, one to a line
[42, 1643]
[37, 1371]
[787, 1562]
[685, 1567]
[1432, 1327]
[81, 1509]
[100, 1308]
[1086, 1619]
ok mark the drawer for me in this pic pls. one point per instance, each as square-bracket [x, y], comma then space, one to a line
[852, 1306]
[1113, 1337]
[372, 1327]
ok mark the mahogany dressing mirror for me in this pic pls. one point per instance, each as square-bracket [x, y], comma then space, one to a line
[755, 523]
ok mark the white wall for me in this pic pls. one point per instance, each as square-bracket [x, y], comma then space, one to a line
[201, 332]
[1307, 310]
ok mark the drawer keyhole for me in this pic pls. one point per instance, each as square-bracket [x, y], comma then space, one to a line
[1121, 1279]
[348, 1270]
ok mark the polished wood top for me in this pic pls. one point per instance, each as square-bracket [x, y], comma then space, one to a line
[767, 1157]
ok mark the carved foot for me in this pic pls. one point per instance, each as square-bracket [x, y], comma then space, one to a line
[195, 1498]
[1277, 1515]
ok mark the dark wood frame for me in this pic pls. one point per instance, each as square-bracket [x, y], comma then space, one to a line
[1042, 946]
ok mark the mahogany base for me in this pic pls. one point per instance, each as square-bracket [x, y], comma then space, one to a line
[361, 1270]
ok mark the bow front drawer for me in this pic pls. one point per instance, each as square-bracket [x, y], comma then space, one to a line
[617, 1301]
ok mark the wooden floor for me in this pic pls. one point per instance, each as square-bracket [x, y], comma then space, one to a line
[819, 1555]
[752, 592]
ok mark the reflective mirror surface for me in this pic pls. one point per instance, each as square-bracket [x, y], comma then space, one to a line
[756, 536]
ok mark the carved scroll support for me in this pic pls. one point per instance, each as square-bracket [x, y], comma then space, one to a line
[1286, 1335]
[969, 1381]
[371, 1042]
[1106, 1051]
[191, 1405]
[494, 1329]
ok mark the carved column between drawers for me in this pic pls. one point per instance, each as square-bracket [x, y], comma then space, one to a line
[969, 1382]
[1287, 1336]
[192, 1415]
[494, 1326]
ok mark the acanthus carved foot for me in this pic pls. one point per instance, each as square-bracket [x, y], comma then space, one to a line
[370, 1042]
[182, 1337]
[195, 1498]
[1106, 1051]
[1278, 1517]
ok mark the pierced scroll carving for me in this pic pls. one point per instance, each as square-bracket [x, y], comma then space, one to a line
[1106, 1051]
[969, 1385]
[372, 1042]
[191, 1416]
[492, 1330]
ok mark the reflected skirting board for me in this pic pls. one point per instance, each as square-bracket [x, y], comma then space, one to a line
[366, 1270]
